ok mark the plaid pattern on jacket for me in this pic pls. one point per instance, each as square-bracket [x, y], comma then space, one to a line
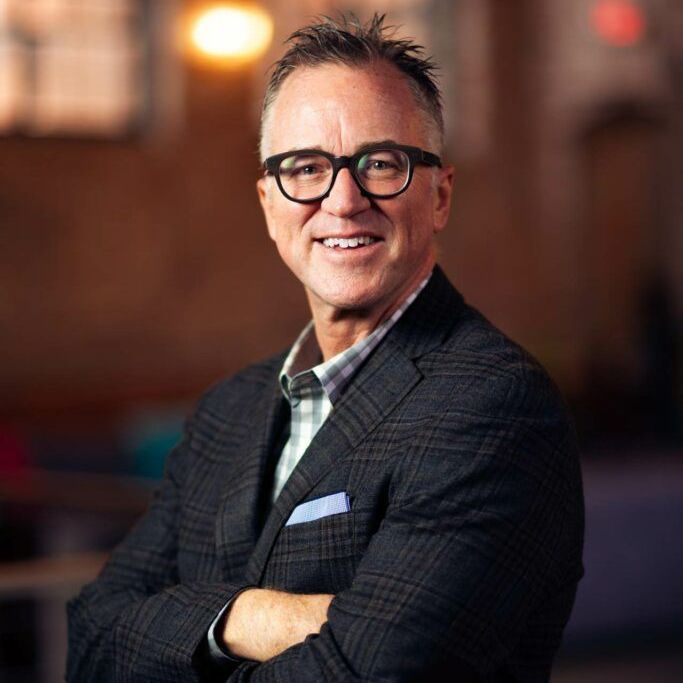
[458, 560]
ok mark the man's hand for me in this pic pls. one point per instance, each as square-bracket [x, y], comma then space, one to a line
[262, 623]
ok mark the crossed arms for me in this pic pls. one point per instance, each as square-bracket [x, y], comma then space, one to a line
[262, 623]
[480, 531]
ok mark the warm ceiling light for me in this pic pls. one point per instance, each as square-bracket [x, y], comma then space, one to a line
[230, 32]
[619, 22]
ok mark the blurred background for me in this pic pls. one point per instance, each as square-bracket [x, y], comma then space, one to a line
[135, 270]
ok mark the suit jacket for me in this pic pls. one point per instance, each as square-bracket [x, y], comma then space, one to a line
[458, 559]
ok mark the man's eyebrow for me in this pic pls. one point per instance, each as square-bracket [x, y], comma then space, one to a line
[376, 143]
[359, 148]
[313, 148]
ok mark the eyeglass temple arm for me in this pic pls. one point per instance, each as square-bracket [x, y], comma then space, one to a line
[430, 159]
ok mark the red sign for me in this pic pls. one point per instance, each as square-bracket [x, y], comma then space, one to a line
[618, 22]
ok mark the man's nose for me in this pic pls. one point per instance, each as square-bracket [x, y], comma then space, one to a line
[345, 198]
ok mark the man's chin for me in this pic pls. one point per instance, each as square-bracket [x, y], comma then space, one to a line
[361, 301]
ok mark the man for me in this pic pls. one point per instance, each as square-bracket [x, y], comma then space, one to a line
[398, 497]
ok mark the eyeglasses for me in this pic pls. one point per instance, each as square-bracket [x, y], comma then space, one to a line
[383, 171]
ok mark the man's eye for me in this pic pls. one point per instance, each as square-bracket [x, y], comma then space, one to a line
[379, 165]
[303, 168]
[309, 169]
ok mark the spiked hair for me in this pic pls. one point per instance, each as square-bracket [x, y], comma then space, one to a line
[349, 42]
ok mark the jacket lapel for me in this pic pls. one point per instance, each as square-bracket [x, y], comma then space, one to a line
[247, 483]
[389, 374]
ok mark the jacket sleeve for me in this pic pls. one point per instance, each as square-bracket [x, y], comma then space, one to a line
[483, 526]
[136, 621]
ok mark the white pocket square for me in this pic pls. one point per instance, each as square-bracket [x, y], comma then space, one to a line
[334, 504]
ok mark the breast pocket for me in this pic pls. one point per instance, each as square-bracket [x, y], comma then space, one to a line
[314, 557]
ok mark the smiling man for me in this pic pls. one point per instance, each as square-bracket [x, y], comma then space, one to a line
[395, 498]
[359, 235]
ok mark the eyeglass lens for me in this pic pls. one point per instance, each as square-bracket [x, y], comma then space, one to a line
[381, 172]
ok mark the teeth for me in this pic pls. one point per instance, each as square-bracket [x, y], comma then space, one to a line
[350, 243]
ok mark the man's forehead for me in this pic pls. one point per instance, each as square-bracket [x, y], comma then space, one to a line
[350, 80]
[371, 103]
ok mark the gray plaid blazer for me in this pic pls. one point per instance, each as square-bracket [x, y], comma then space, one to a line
[458, 560]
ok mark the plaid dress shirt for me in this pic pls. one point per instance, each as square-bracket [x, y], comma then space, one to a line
[312, 390]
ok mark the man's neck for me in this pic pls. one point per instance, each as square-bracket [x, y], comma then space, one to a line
[336, 334]
[338, 329]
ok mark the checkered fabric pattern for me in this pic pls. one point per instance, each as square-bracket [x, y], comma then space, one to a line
[312, 392]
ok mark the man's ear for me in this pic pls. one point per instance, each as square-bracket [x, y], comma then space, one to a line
[442, 197]
[264, 200]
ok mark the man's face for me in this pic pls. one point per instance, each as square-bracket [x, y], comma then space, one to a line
[339, 110]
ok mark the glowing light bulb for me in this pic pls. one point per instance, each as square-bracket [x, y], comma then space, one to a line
[231, 32]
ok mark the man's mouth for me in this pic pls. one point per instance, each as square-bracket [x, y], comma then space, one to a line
[349, 243]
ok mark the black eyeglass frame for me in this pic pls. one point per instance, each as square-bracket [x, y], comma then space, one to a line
[415, 156]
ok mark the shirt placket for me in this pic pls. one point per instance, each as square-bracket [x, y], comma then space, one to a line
[307, 400]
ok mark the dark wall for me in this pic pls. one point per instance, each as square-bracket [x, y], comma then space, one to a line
[138, 263]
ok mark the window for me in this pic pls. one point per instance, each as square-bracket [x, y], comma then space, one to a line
[72, 67]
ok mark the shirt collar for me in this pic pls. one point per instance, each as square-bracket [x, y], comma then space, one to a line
[335, 374]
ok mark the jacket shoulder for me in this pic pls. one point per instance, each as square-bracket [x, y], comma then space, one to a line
[480, 379]
[476, 348]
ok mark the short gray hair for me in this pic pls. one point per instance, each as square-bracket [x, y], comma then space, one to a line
[347, 41]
